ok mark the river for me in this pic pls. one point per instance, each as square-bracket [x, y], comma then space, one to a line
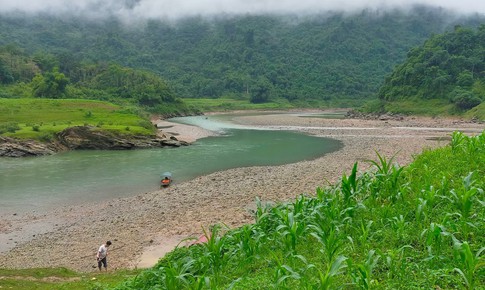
[43, 183]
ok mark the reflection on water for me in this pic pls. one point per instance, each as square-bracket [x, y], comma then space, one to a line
[78, 176]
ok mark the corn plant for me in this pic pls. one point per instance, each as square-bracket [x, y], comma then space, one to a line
[365, 232]
[463, 200]
[395, 262]
[457, 141]
[215, 253]
[262, 212]
[430, 195]
[201, 282]
[330, 238]
[362, 273]
[249, 240]
[349, 185]
[177, 275]
[387, 178]
[399, 225]
[291, 228]
[421, 208]
[282, 273]
[326, 279]
[434, 238]
[470, 264]
[332, 211]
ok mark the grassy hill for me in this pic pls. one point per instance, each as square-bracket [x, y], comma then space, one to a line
[444, 75]
[41, 118]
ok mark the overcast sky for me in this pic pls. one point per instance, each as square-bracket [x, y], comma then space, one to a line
[176, 8]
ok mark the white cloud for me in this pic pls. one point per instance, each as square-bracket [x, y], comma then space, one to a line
[177, 8]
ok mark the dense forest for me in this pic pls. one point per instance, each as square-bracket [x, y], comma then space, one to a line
[44, 75]
[325, 56]
[448, 66]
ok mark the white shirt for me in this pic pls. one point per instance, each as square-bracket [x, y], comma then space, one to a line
[102, 252]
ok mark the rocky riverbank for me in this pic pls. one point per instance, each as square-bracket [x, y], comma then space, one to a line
[145, 226]
[86, 138]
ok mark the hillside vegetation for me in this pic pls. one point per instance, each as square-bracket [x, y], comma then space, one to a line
[258, 58]
[416, 227]
[449, 67]
[41, 119]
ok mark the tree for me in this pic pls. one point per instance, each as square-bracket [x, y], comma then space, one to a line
[261, 92]
[51, 84]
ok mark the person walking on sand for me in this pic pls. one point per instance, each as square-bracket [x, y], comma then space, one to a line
[102, 255]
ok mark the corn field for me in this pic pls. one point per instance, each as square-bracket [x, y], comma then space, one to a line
[416, 227]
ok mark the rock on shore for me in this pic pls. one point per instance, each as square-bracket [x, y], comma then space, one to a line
[84, 137]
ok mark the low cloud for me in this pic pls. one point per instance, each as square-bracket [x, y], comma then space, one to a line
[173, 9]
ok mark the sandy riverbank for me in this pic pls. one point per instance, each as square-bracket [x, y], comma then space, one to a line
[145, 226]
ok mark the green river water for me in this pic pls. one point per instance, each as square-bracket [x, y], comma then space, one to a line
[43, 183]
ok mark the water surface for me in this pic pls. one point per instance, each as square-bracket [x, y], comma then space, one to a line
[43, 183]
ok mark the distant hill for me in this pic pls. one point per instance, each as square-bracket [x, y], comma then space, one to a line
[449, 67]
[323, 57]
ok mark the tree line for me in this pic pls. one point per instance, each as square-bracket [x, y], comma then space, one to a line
[448, 66]
[323, 56]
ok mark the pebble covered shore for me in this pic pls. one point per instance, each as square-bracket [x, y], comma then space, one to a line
[145, 226]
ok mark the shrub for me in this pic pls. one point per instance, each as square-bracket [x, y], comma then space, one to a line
[10, 127]
[465, 100]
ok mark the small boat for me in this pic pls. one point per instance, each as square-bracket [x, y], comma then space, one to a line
[166, 179]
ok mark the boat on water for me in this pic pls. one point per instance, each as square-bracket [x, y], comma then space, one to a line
[165, 179]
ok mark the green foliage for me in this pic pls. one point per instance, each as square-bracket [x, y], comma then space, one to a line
[10, 127]
[477, 112]
[50, 84]
[17, 117]
[327, 56]
[144, 87]
[16, 65]
[372, 241]
[448, 66]
[61, 278]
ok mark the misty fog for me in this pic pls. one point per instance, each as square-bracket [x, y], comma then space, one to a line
[173, 9]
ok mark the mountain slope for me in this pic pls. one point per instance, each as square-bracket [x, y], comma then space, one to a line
[325, 56]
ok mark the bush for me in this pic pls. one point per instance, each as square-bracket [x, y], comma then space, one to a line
[466, 101]
[10, 127]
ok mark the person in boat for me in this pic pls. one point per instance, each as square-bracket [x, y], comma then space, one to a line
[166, 181]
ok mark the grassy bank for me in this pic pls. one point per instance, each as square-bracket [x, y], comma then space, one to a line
[423, 107]
[227, 104]
[41, 118]
[60, 278]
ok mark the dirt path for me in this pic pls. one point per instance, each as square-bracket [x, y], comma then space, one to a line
[144, 227]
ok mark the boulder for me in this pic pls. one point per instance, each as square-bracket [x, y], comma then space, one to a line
[10, 147]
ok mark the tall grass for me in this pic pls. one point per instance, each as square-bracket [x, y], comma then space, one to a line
[416, 227]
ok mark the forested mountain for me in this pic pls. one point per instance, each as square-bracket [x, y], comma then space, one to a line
[448, 66]
[322, 56]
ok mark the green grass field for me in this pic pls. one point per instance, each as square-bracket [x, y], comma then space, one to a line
[41, 118]
[61, 278]
[226, 104]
